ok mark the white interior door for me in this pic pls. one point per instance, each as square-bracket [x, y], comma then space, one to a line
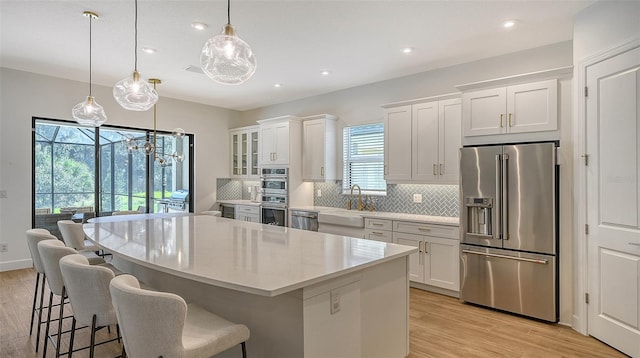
[613, 196]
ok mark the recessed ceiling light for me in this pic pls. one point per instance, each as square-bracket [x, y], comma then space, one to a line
[199, 25]
[509, 24]
[277, 85]
[325, 73]
[407, 50]
[149, 50]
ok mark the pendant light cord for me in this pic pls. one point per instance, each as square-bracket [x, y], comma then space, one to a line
[228, 12]
[90, 20]
[135, 50]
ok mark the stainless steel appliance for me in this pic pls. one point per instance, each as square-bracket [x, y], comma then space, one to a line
[275, 196]
[177, 202]
[228, 211]
[509, 228]
[304, 220]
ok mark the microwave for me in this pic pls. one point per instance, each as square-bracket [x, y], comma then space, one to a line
[274, 181]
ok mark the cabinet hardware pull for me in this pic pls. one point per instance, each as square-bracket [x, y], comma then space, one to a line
[634, 244]
[501, 118]
[509, 119]
[420, 247]
[322, 171]
[377, 233]
[376, 224]
[434, 170]
[425, 248]
[441, 171]
[385, 171]
[486, 254]
[424, 229]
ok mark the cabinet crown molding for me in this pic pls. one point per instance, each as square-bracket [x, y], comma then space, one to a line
[422, 100]
[320, 116]
[279, 119]
[554, 73]
[255, 126]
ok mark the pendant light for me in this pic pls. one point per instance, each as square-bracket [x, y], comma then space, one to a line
[89, 112]
[226, 58]
[149, 148]
[134, 93]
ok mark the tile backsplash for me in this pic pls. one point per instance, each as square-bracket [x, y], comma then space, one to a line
[437, 200]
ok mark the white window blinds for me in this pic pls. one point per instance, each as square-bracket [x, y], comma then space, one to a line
[363, 151]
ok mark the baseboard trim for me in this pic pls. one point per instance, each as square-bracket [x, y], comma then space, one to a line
[442, 291]
[15, 265]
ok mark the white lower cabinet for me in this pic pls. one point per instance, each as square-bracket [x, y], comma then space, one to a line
[437, 261]
[379, 230]
[249, 213]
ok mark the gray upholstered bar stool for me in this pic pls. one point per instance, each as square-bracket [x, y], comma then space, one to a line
[51, 251]
[34, 236]
[157, 324]
[73, 236]
[88, 289]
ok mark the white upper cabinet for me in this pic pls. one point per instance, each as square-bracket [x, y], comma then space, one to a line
[522, 108]
[319, 148]
[422, 141]
[244, 152]
[275, 140]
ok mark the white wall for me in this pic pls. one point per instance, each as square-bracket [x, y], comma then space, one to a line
[362, 105]
[24, 95]
[602, 27]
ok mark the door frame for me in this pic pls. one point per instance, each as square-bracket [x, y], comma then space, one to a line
[580, 208]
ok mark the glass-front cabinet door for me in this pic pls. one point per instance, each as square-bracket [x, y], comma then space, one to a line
[244, 152]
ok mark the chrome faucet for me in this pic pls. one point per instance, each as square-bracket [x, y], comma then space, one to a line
[360, 205]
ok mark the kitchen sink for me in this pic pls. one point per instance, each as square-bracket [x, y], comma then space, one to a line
[341, 218]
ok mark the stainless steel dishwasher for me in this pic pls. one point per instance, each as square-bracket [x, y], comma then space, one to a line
[304, 220]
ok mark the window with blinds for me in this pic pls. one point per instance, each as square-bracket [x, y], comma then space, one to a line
[363, 151]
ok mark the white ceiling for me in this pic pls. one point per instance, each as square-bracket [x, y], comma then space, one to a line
[360, 42]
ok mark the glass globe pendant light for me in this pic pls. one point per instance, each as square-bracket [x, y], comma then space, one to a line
[134, 93]
[162, 159]
[226, 58]
[89, 112]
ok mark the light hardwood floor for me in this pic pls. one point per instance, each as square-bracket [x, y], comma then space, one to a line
[440, 326]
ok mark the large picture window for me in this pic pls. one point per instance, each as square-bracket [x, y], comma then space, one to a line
[92, 170]
[363, 159]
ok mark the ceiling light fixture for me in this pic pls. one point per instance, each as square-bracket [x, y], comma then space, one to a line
[89, 112]
[325, 73]
[134, 93]
[509, 24]
[152, 148]
[226, 58]
[277, 85]
[199, 25]
[407, 50]
[149, 50]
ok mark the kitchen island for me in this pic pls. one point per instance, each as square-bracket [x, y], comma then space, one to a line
[301, 293]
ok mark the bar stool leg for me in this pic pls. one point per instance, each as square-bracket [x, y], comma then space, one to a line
[93, 336]
[35, 299]
[40, 312]
[59, 337]
[46, 331]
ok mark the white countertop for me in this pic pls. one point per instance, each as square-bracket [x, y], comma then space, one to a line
[240, 202]
[249, 257]
[427, 219]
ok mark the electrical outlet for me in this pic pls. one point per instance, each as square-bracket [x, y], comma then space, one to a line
[318, 193]
[249, 189]
[335, 301]
[4, 247]
[3, 193]
[417, 198]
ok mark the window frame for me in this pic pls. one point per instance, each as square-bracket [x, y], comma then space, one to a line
[376, 160]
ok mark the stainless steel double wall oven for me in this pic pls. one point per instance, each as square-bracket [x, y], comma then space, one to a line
[274, 183]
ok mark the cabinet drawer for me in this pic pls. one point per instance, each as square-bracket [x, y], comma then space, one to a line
[377, 224]
[444, 231]
[241, 209]
[378, 235]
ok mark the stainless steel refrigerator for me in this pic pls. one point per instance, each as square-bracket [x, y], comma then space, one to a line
[509, 228]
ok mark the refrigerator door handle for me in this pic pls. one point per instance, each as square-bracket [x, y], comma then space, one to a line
[535, 261]
[505, 197]
[498, 206]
